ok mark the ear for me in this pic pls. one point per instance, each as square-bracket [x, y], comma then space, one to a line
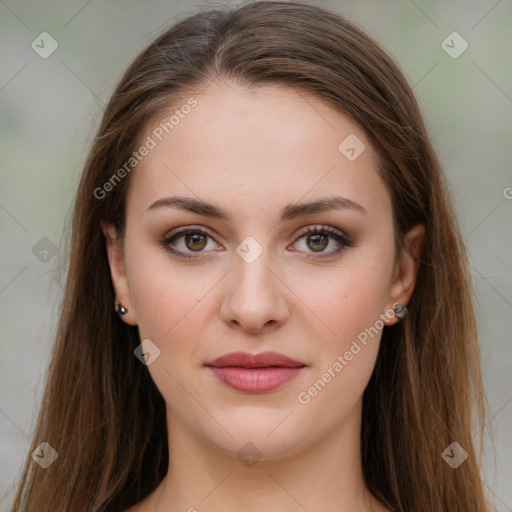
[406, 270]
[117, 272]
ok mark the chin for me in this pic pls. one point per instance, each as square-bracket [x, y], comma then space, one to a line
[262, 436]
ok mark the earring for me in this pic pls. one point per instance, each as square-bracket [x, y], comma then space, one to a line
[120, 309]
[400, 311]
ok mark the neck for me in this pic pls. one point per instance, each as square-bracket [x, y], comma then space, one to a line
[325, 476]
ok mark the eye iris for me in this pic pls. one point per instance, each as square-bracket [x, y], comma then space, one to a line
[317, 238]
[196, 239]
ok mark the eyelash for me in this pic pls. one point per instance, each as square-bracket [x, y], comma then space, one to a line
[339, 237]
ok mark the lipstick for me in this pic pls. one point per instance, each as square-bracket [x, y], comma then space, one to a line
[255, 373]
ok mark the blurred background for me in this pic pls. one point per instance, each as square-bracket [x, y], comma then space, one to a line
[60, 62]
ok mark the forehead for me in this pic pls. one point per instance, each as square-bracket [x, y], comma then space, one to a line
[256, 148]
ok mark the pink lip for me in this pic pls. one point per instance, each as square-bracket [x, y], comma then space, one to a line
[255, 373]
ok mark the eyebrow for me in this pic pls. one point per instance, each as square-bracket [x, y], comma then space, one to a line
[289, 212]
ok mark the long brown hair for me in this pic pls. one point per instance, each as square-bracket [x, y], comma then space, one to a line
[102, 412]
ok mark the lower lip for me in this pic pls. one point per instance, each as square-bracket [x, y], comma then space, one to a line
[255, 380]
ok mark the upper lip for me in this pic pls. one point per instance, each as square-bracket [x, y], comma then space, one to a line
[261, 360]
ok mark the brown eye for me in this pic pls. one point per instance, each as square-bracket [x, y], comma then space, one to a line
[195, 241]
[318, 241]
[184, 242]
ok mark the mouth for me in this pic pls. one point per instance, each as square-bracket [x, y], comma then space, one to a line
[255, 373]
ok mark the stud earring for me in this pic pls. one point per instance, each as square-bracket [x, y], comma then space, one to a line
[400, 311]
[120, 309]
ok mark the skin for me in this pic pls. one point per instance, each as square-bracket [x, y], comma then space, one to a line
[251, 152]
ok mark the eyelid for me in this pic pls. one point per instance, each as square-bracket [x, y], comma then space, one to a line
[338, 235]
[344, 240]
[323, 228]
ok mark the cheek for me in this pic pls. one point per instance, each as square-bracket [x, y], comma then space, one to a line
[164, 297]
[351, 306]
[168, 312]
[345, 360]
[348, 302]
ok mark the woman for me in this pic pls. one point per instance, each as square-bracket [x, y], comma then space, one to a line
[268, 304]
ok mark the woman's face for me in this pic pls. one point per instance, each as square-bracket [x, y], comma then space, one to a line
[256, 281]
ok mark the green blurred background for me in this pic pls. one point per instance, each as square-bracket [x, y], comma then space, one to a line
[50, 108]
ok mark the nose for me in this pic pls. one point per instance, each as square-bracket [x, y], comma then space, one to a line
[254, 296]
